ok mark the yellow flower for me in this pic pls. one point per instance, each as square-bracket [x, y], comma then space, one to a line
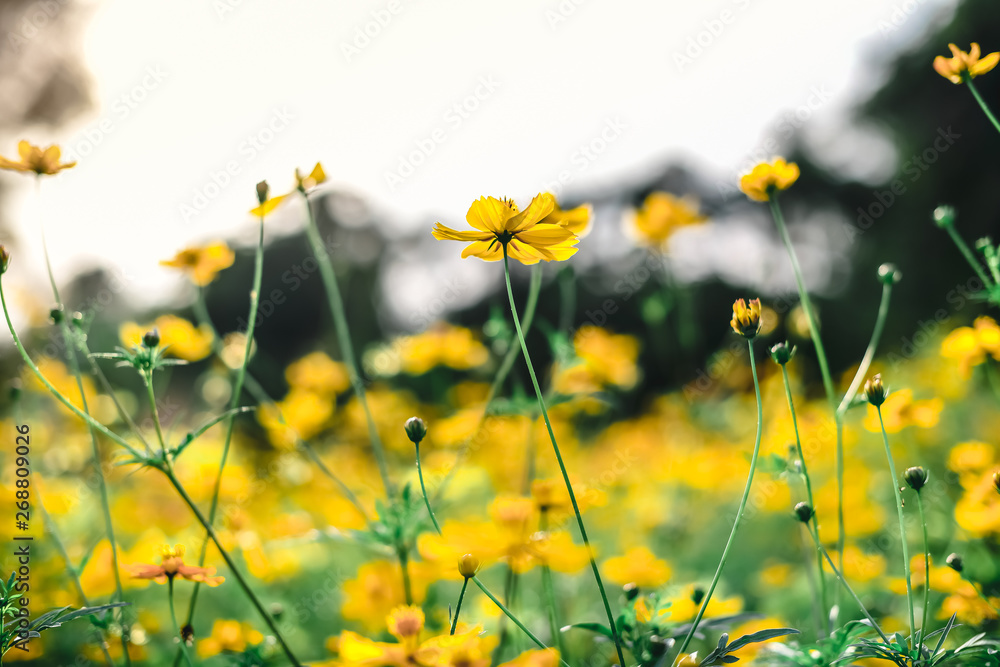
[172, 565]
[683, 607]
[746, 318]
[318, 373]
[315, 177]
[499, 224]
[603, 359]
[662, 214]
[202, 263]
[638, 566]
[900, 410]
[576, 220]
[36, 159]
[546, 657]
[962, 63]
[378, 589]
[978, 510]
[767, 178]
[441, 345]
[301, 414]
[228, 635]
[971, 609]
[970, 345]
[178, 337]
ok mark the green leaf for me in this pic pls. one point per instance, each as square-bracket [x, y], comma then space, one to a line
[599, 628]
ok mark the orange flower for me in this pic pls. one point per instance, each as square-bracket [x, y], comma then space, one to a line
[172, 565]
[36, 159]
[961, 63]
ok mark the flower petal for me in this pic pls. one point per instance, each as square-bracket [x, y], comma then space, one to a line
[442, 233]
[488, 214]
[541, 206]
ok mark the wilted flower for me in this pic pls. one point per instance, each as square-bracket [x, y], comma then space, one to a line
[36, 159]
[746, 318]
[888, 274]
[315, 177]
[962, 64]
[498, 223]
[769, 177]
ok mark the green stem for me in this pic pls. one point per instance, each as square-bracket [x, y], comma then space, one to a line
[423, 491]
[258, 273]
[814, 524]
[404, 566]
[96, 371]
[550, 594]
[902, 525]
[241, 580]
[173, 618]
[824, 367]
[859, 376]
[458, 606]
[739, 513]
[559, 459]
[336, 303]
[513, 352]
[980, 100]
[511, 616]
[927, 569]
[970, 257]
[847, 587]
[147, 379]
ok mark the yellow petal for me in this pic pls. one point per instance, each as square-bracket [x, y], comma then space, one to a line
[267, 206]
[488, 214]
[491, 251]
[985, 65]
[542, 205]
[544, 235]
[317, 175]
[442, 233]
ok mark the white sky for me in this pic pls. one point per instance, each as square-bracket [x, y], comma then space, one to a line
[561, 73]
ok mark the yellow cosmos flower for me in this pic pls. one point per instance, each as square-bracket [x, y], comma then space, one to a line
[202, 263]
[499, 224]
[962, 63]
[603, 359]
[576, 220]
[441, 345]
[746, 318]
[228, 635]
[178, 337]
[638, 566]
[301, 414]
[970, 345]
[662, 214]
[901, 410]
[318, 373]
[378, 589]
[35, 158]
[769, 177]
[315, 177]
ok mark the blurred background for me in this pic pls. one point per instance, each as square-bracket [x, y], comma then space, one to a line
[175, 111]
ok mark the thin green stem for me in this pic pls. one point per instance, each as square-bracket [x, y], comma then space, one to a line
[423, 491]
[847, 587]
[550, 593]
[458, 605]
[927, 570]
[739, 513]
[173, 618]
[559, 459]
[970, 257]
[147, 379]
[859, 376]
[234, 400]
[336, 303]
[809, 498]
[241, 580]
[404, 566]
[511, 616]
[980, 100]
[902, 525]
[96, 371]
[513, 352]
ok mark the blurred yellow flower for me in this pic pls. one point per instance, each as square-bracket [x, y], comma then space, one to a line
[769, 177]
[35, 158]
[202, 263]
[228, 635]
[901, 410]
[637, 566]
[962, 63]
[576, 220]
[318, 373]
[378, 589]
[498, 223]
[172, 565]
[683, 607]
[301, 414]
[970, 345]
[178, 337]
[603, 359]
[315, 177]
[978, 510]
[970, 608]
[662, 214]
[441, 345]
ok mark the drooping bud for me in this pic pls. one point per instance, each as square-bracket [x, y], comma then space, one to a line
[804, 512]
[916, 477]
[468, 565]
[416, 429]
[875, 391]
[4, 259]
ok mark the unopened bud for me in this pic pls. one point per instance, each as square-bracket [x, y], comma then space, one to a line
[56, 315]
[782, 353]
[262, 191]
[916, 477]
[944, 216]
[875, 391]
[631, 591]
[804, 512]
[416, 429]
[954, 561]
[888, 274]
[151, 338]
[4, 258]
[468, 565]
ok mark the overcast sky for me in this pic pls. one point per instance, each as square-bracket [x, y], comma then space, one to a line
[421, 106]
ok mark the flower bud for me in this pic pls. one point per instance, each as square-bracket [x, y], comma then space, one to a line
[262, 191]
[875, 391]
[944, 216]
[984, 244]
[782, 353]
[151, 338]
[916, 477]
[954, 561]
[804, 512]
[4, 258]
[697, 595]
[746, 318]
[468, 565]
[888, 274]
[631, 591]
[416, 429]
[996, 481]
[77, 319]
[56, 315]
[15, 390]
[659, 646]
